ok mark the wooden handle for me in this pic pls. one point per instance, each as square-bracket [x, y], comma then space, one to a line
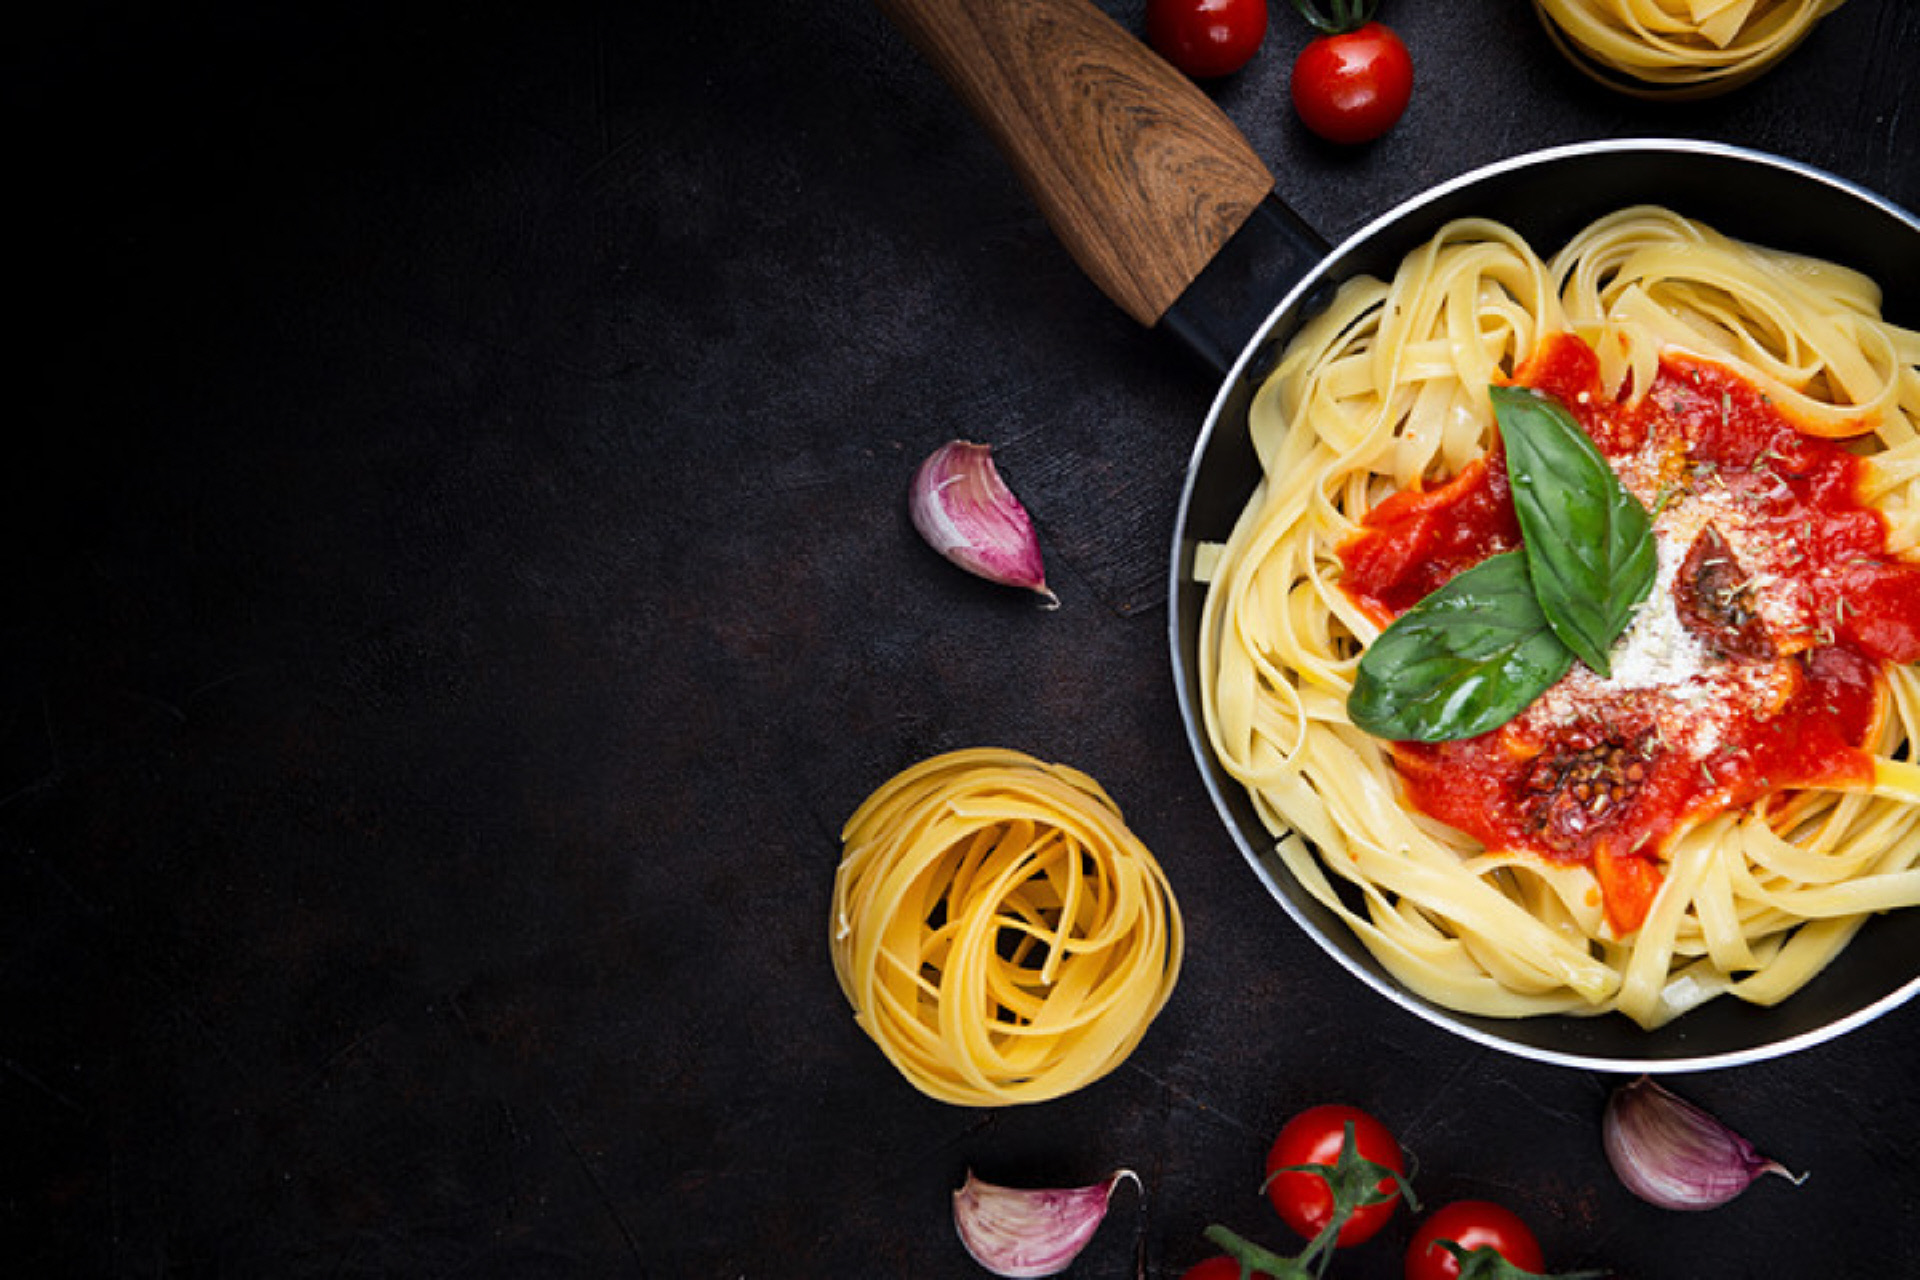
[1140, 175]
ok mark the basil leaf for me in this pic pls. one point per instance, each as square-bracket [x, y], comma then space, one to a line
[1468, 658]
[1588, 541]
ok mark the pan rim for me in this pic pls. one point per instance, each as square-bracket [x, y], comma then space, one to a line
[1214, 779]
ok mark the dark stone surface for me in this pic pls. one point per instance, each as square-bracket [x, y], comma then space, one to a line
[458, 582]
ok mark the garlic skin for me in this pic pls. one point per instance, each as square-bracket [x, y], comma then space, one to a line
[1672, 1154]
[965, 511]
[1030, 1233]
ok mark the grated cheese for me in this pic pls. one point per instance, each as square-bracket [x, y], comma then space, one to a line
[1657, 651]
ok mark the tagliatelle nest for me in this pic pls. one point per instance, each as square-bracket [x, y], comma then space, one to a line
[1000, 933]
[1679, 48]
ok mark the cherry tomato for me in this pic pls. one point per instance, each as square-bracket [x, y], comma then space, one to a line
[1351, 87]
[1207, 38]
[1471, 1224]
[1221, 1268]
[1303, 1200]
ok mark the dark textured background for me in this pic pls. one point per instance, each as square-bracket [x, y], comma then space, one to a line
[458, 581]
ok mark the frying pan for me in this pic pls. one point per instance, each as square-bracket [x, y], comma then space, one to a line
[1167, 208]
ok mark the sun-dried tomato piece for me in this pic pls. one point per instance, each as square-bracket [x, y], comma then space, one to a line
[1713, 596]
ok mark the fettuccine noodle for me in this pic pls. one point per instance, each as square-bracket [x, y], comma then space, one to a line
[1000, 932]
[1387, 390]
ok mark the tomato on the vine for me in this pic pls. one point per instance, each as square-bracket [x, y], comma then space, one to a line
[1207, 38]
[1471, 1224]
[1352, 82]
[1303, 1199]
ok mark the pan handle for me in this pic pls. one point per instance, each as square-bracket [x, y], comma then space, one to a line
[1140, 175]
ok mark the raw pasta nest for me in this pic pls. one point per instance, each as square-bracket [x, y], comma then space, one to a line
[1000, 933]
[1679, 48]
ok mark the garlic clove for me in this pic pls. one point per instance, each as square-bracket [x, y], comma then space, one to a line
[965, 511]
[1673, 1154]
[1030, 1233]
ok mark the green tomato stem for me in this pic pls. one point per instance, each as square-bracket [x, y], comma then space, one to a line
[1320, 1249]
[1337, 17]
[1252, 1257]
[1486, 1263]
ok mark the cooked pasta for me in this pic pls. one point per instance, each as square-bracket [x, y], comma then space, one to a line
[1001, 934]
[1672, 45]
[1749, 892]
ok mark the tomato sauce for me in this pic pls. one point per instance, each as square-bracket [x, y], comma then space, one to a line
[1418, 539]
[1754, 670]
